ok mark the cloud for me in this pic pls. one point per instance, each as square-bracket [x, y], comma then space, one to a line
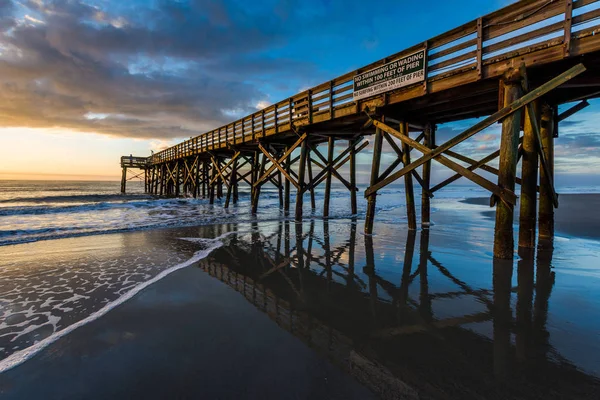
[169, 71]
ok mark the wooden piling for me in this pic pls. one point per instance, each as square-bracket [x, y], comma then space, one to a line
[280, 189]
[211, 186]
[177, 177]
[124, 180]
[429, 139]
[546, 212]
[301, 169]
[529, 177]
[204, 178]
[509, 144]
[408, 181]
[371, 200]
[353, 206]
[286, 202]
[219, 181]
[330, 148]
[256, 195]
[231, 184]
[313, 203]
[234, 181]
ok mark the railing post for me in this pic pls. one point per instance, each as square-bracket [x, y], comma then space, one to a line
[479, 47]
[567, 28]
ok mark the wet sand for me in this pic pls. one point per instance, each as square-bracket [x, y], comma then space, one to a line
[577, 215]
[318, 310]
[185, 337]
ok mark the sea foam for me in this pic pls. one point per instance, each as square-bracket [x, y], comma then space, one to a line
[21, 356]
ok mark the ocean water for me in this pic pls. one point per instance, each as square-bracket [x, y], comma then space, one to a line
[72, 251]
[34, 210]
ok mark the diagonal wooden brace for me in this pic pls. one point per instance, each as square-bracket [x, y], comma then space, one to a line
[277, 164]
[171, 174]
[325, 168]
[221, 171]
[506, 195]
[189, 171]
[478, 127]
[321, 177]
[289, 151]
[333, 171]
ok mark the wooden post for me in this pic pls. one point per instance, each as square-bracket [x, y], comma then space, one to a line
[546, 212]
[509, 145]
[234, 181]
[211, 186]
[263, 163]
[353, 206]
[219, 181]
[529, 177]
[161, 178]
[374, 179]
[301, 169]
[310, 178]
[280, 188]
[330, 148]
[204, 178]
[429, 140]
[231, 184]
[408, 182]
[177, 174]
[286, 203]
[124, 180]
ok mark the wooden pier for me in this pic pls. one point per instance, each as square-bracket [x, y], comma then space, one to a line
[514, 67]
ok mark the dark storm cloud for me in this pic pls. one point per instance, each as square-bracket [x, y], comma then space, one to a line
[175, 70]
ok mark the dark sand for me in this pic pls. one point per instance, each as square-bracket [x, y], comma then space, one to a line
[577, 214]
[188, 336]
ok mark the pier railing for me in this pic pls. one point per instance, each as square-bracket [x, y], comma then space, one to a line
[134, 162]
[534, 31]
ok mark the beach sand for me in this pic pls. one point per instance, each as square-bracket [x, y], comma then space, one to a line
[318, 310]
[184, 337]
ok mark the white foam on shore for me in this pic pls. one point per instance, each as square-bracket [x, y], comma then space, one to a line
[21, 356]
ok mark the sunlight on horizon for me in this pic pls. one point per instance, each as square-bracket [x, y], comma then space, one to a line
[63, 154]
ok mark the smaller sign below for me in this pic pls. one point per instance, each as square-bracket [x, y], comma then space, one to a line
[393, 75]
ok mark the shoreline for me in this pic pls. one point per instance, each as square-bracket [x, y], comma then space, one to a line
[577, 216]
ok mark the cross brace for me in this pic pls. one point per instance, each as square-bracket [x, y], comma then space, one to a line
[436, 154]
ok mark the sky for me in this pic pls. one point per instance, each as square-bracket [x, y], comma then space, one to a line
[84, 82]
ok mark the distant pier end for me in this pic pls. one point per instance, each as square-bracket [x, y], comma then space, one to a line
[514, 66]
[131, 162]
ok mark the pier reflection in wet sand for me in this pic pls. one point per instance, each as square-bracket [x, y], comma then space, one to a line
[385, 324]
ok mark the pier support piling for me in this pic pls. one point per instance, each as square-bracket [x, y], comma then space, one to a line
[300, 188]
[546, 211]
[429, 141]
[353, 206]
[330, 148]
[371, 199]
[408, 181]
[124, 180]
[509, 144]
[286, 202]
[529, 177]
